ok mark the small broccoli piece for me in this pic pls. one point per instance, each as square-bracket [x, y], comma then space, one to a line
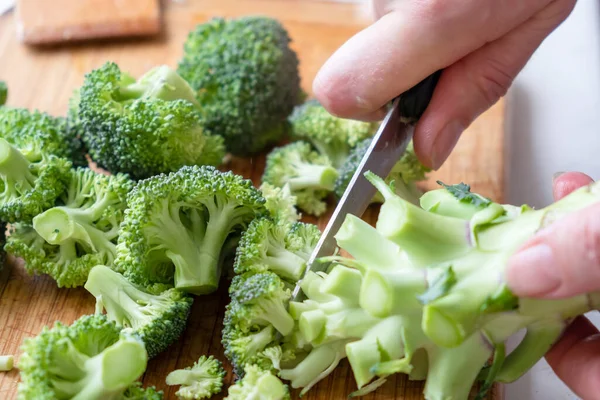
[246, 80]
[280, 202]
[268, 246]
[143, 127]
[244, 346]
[3, 93]
[200, 381]
[136, 392]
[404, 175]
[177, 224]
[6, 363]
[159, 320]
[30, 180]
[310, 177]
[332, 136]
[66, 241]
[258, 385]
[90, 359]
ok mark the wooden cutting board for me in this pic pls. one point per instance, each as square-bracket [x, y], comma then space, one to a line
[44, 79]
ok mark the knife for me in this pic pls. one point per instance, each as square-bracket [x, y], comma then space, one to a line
[387, 147]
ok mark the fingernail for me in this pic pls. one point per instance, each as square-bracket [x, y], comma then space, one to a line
[445, 142]
[533, 272]
[556, 175]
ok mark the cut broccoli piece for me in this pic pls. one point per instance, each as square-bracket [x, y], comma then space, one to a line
[30, 180]
[246, 80]
[244, 347]
[332, 136]
[176, 227]
[136, 392]
[200, 381]
[258, 385]
[143, 127]
[310, 177]
[404, 175]
[268, 246]
[90, 359]
[66, 241]
[3, 93]
[280, 203]
[6, 363]
[159, 320]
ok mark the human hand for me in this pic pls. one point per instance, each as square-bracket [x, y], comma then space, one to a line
[564, 260]
[482, 44]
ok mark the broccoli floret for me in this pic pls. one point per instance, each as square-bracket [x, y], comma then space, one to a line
[90, 359]
[200, 381]
[407, 171]
[143, 127]
[246, 80]
[310, 177]
[244, 346]
[332, 136]
[30, 180]
[159, 320]
[66, 241]
[6, 363]
[177, 224]
[3, 93]
[269, 246]
[136, 392]
[258, 384]
[280, 203]
[22, 128]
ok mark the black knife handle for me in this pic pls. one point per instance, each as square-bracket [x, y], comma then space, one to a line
[415, 100]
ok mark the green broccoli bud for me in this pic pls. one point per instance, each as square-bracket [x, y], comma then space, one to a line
[145, 127]
[332, 136]
[244, 346]
[90, 359]
[308, 175]
[177, 226]
[258, 385]
[159, 320]
[3, 93]
[246, 80]
[7, 363]
[200, 381]
[280, 203]
[136, 392]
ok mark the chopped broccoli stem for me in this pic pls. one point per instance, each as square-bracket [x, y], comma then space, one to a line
[442, 202]
[6, 363]
[342, 282]
[14, 167]
[312, 176]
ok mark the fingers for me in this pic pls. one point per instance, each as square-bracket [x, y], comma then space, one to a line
[567, 182]
[475, 83]
[575, 359]
[407, 45]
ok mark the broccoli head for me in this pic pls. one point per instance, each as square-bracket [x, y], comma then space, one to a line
[244, 346]
[200, 381]
[258, 384]
[159, 320]
[246, 80]
[177, 226]
[90, 359]
[309, 176]
[280, 203]
[332, 136]
[66, 241]
[3, 93]
[143, 127]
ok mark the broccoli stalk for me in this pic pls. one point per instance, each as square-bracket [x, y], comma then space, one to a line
[6, 363]
[200, 381]
[15, 169]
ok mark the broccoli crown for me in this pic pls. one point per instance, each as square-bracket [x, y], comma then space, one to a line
[246, 79]
[159, 320]
[143, 127]
[3, 93]
[308, 175]
[30, 180]
[245, 346]
[269, 246]
[258, 384]
[280, 203]
[137, 392]
[177, 224]
[200, 381]
[22, 128]
[332, 136]
[66, 241]
[90, 359]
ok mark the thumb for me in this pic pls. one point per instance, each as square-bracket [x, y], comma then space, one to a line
[563, 260]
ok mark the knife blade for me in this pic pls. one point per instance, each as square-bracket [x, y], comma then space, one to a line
[388, 144]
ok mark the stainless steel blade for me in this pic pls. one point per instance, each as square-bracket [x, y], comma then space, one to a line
[387, 147]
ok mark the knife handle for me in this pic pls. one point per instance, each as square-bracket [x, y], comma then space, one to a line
[415, 100]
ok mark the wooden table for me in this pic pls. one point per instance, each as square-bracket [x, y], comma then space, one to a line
[45, 78]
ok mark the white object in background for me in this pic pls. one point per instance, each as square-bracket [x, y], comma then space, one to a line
[6, 5]
[553, 125]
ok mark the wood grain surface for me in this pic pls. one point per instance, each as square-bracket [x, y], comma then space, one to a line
[44, 79]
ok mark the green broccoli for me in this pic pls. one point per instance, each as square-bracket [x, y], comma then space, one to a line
[280, 203]
[200, 381]
[332, 136]
[244, 346]
[404, 175]
[143, 127]
[159, 320]
[269, 246]
[90, 359]
[30, 180]
[136, 392]
[66, 241]
[6, 363]
[310, 177]
[246, 80]
[177, 224]
[3, 93]
[258, 384]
